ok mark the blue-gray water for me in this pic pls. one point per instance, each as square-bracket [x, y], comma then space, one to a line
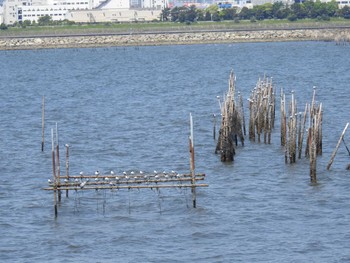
[128, 109]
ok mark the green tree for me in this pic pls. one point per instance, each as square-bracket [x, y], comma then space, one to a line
[26, 23]
[345, 12]
[45, 20]
[228, 13]
[165, 14]
[299, 11]
[3, 26]
[245, 13]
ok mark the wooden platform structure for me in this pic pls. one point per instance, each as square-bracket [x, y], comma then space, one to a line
[125, 180]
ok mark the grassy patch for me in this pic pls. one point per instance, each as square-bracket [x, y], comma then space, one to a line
[129, 28]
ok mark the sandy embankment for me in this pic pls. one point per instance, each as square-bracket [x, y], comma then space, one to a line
[174, 38]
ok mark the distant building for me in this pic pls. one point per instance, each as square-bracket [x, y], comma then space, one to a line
[94, 10]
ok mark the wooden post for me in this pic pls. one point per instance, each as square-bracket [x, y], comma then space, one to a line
[192, 167]
[242, 112]
[214, 126]
[313, 151]
[42, 123]
[58, 174]
[54, 174]
[301, 138]
[336, 148]
[67, 165]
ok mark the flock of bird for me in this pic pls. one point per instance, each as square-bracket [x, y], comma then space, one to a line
[112, 178]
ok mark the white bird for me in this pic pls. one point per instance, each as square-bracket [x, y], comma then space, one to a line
[124, 173]
[66, 180]
[49, 181]
[155, 172]
[156, 176]
[164, 172]
[117, 178]
[67, 145]
[97, 172]
[96, 179]
[106, 179]
[132, 172]
[112, 172]
[141, 172]
[81, 173]
[126, 177]
[83, 184]
[76, 180]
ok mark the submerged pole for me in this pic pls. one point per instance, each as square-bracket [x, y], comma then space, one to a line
[336, 148]
[54, 174]
[42, 123]
[67, 166]
[58, 174]
[192, 167]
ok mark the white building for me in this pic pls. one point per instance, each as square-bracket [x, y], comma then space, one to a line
[1, 14]
[96, 10]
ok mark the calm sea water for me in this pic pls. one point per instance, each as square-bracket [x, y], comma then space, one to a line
[128, 109]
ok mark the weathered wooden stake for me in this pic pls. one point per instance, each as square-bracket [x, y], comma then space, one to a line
[336, 148]
[313, 150]
[214, 126]
[58, 174]
[192, 166]
[54, 174]
[67, 165]
[42, 123]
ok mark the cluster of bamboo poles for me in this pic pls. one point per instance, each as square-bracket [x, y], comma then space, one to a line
[293, 127]
[232, 123]
[262, 110]
[133, 180]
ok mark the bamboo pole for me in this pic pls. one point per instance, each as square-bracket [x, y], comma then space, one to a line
[58, 173]
[301, 138]
[336, 148]
[214, 126]
[313, 151]
[192, 166]
[54, 174]
[67, 165]
[42, 123]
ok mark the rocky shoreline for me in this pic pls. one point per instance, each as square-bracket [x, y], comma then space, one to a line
[173, 38]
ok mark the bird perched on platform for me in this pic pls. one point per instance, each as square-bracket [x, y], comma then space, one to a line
[106, 179]
[81, 173]
[112, 172]
[132, 172]
[49, 181]
[124, 173]
[97, 172]
[83, 184]
[141, 172]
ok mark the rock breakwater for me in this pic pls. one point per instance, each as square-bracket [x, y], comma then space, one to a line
[10, 43]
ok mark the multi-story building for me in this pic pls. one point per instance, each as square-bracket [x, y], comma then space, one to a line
[81, 10]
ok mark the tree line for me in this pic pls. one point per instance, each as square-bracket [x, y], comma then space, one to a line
[277, 10]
